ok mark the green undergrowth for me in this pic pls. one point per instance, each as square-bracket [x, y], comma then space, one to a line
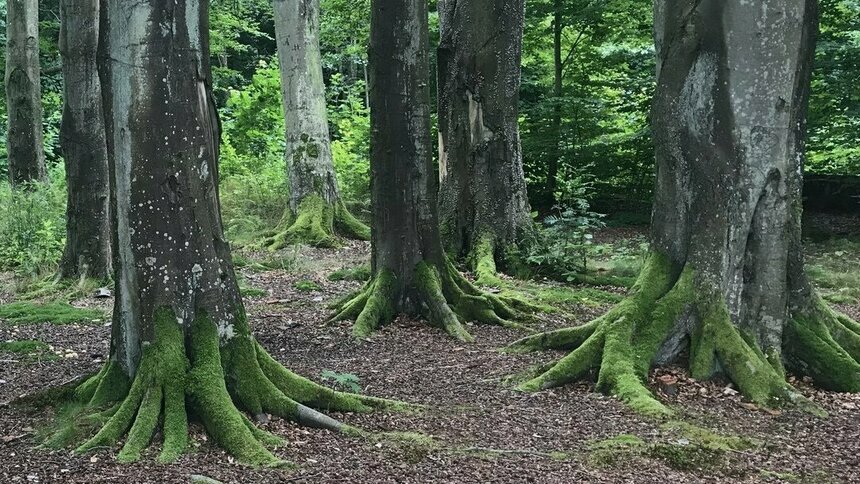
[551, 296]
[286, 260]
[680, 445]
[50, 287]
[834, 267]
[20, 313]
[359, 273]
[29, 350]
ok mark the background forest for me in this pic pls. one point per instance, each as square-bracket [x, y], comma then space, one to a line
[587, 82]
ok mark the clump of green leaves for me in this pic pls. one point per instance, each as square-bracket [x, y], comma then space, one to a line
[33, 226]
[60, 313]
[342, 381]
[562, 246]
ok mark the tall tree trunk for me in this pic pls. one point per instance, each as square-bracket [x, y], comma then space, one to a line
[484, 206]
[180, 339]
[23, 96]
[316, 211]
[82, 137]
[410, 271]
[557, 86]
[725, 279]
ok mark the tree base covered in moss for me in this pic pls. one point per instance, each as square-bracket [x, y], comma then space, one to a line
[624, 343]
[316, 223]
[210, 379]
[445, 299]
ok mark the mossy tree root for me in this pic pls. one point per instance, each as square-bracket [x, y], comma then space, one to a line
[825, 345]
[316, 223]
[446, 297]
[215, 383]
[623, 344]
[482, 260]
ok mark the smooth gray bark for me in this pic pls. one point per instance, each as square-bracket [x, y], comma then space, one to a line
[23, 96]
[308, 154]
[82, 137]
[483, 197]
[729, 126]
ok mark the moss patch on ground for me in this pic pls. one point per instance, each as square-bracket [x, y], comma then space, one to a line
[682, 446]
[550, 296]
[20, 313]
[834, 267]
[360, 273]
[29, 350]
[306, 286]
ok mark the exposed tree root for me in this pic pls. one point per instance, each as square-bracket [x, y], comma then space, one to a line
[214, 383]
[447, 300]
[482, 260]
[316, 223]
[654, 319]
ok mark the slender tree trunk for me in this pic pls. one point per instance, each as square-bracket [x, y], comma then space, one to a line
[23, 96]
[557, 86]
[180, 339]
[484, 207]
[410, 271]
[725, 280]
[82, 136]
[316, 211]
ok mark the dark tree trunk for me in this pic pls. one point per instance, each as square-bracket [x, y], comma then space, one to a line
[411, 272]
[316, 211]
[484, 206]
[180, 339]
[725, 280]
[82, 136]
[555, 127]
[23, 96]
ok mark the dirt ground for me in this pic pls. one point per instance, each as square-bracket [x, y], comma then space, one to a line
[477, 430]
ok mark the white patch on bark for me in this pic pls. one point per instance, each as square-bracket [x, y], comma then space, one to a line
[226, 331]
[479, 131]
[443, 158]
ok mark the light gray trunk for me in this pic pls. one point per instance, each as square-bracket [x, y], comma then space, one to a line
[163, 138]
[82, 136]
[729, 127]
[483, 189]
[310, 168]
[23, 96]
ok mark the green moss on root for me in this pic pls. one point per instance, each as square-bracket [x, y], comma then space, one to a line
[315, 223]
[360, 273]
[447, 298]
[483, 262]
[825, 345]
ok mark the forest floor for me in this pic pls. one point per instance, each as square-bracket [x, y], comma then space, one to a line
[478, 428]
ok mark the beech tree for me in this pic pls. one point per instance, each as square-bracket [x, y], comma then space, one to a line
[23, 97]
[725, 281]
[180, 340]
[411, 273]
[82, 136]
[316, 211]
[484, 208]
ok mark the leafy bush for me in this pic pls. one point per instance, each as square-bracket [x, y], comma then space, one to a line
[350, 120]
[562, 246]
[33, 226]
[343, 381]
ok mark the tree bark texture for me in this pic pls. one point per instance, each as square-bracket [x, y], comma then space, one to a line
[180, 339]
[411, 272]
[316, 210]
[725, 281]
[484, 206]
[82, 136]
[23, 96]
